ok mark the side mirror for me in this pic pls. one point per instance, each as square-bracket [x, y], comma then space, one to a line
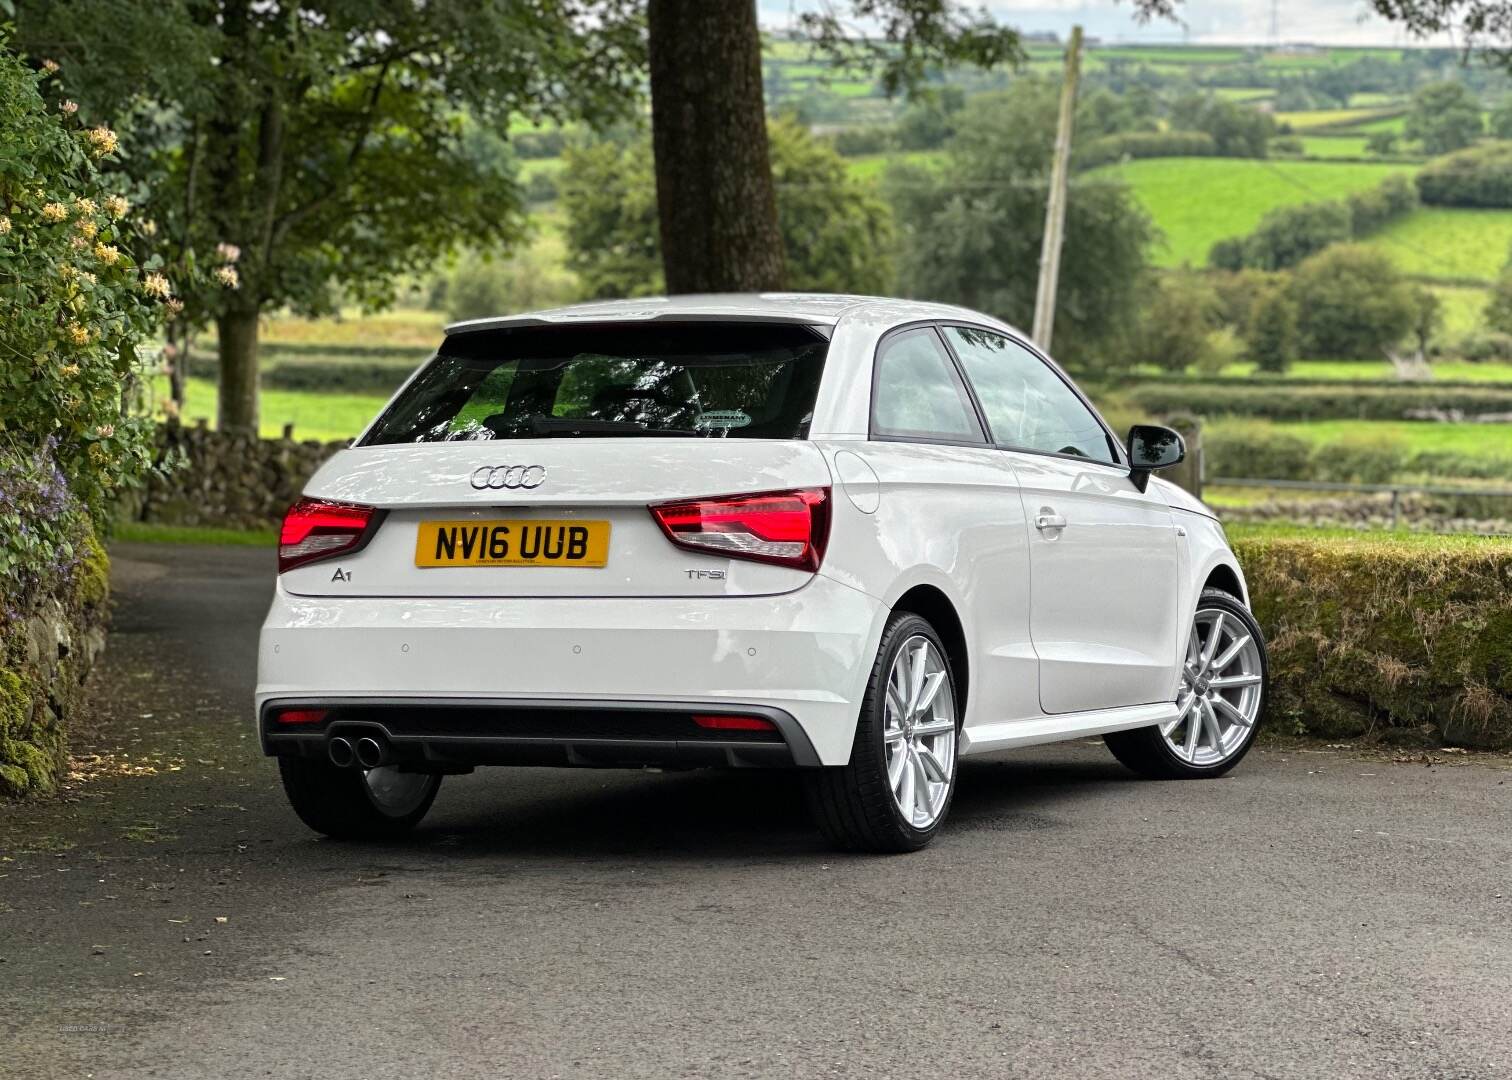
[1152, 448]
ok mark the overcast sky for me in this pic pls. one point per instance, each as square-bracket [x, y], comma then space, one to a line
[1323, 22]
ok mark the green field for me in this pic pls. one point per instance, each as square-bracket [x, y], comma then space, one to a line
[1198, 201]
[1356, 119]
[1323, 147]
[326, 417]
[1443, 242]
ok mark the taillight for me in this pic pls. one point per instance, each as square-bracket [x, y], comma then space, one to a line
[314, 529]
[788, 528]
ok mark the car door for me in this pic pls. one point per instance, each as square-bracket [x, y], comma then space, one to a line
[1104, 559]
[949, 507]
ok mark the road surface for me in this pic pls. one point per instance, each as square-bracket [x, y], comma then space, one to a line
[1320, 913]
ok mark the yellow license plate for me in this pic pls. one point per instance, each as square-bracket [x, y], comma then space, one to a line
[512, 543]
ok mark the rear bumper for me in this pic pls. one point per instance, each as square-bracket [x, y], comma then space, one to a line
[452, 733]
[802, 656]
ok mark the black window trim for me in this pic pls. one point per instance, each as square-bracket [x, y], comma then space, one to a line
[930, 325]
[1119, 462]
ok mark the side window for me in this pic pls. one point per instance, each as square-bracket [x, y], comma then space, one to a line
[918, 393]
[1027, 404]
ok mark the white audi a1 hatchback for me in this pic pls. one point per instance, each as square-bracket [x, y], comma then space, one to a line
[859, 537]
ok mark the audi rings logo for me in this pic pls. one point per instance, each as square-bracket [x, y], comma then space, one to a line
[513, 477]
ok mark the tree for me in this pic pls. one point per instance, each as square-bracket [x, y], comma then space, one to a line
[835, 232]
[715, 200]
[1352, 303]
[1270, 336]
[1175, 322]
[1289, 234]
[1444, 117]
[972, 228]
[1237, 130]
[1381, 143]
[325, 144]
[717, 208]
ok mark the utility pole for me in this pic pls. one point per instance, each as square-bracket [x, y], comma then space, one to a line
[1055, 204]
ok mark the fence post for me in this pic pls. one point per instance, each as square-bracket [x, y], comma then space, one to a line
[1188, 474]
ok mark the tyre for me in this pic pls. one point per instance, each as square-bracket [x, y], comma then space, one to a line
[1221, 700]
[357, 804]
[897, 788]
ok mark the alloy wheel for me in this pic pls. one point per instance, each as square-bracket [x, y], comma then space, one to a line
[919, 732]
[1221, 687]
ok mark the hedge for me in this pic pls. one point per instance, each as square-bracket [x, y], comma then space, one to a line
[1339, 401]
[1253, 450]
[1407, 638]
[1144, 144]
[377, 372]
[1479, 176]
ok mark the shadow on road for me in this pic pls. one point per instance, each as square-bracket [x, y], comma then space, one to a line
[703, 814]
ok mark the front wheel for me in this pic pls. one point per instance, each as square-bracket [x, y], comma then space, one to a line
[896, 790]
[357, 804]
[1219, 704]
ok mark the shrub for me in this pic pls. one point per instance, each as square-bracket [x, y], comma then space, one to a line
[1377, 206]
[1221, 348]
[1479, 176]
[1387, 636]
[1288, 145]
[1252, 448]
[1359, 459]
[74, 308]
[1499, 304]
[479, 286]
[1352, 303]
[868, 139]
[1381, 143]
[1227, 254]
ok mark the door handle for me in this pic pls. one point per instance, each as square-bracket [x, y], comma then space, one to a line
[1047, 521]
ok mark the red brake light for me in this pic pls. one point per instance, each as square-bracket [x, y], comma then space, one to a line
[789, 528]
[734, 723]
[302, 716]
[314, 529]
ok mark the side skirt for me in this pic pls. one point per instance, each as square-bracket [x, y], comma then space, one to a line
[984, 738]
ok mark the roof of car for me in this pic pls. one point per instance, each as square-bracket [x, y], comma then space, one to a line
[821, 308]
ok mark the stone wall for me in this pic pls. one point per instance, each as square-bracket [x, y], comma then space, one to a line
[226, 480]
[45, 658]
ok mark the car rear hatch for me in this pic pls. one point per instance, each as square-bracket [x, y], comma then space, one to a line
[605, 460]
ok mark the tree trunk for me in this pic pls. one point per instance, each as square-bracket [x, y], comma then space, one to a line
[237, 328]
[714, 193]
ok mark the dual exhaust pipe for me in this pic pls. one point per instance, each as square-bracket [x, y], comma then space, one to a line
[366, 752]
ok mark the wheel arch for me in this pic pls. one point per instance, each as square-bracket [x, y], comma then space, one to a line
[1228, 579]
[931, 603]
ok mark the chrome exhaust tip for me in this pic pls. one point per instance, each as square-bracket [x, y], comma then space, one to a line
[370, 752]
[340, 751]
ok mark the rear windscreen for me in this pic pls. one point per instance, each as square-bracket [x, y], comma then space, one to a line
[693, 380]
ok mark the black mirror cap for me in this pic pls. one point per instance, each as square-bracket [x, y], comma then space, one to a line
[1152, 447]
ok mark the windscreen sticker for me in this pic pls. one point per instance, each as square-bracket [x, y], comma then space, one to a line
[722, 418]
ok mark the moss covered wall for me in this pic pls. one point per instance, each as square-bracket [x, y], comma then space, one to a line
[1409, 638]
[45, 657]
